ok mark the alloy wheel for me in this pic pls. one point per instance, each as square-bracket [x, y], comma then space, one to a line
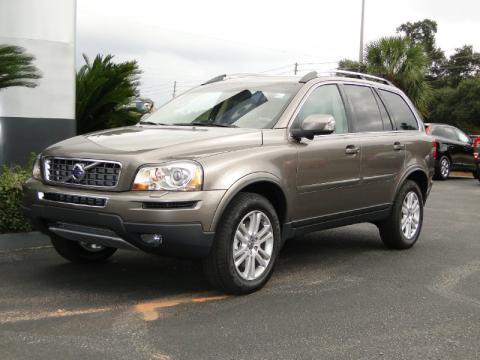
[91, 247]
[444, 167]
[253, 245]
[410, 215]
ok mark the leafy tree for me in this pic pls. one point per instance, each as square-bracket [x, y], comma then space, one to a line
[402, 62]
[16, 67]
[458, 106]
[352, 65]
[463, 64]
[423, 33]
[105, 91]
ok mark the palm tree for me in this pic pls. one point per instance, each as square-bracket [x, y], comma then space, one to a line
[16, 68]
[105, 91]
[404, 63]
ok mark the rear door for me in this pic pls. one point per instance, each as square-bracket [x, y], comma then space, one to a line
[467, 159]
[449, 144]
[382, 155]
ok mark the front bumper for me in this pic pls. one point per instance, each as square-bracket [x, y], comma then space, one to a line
[185, 232]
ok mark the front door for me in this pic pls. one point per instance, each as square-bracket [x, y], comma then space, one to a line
[328, 170]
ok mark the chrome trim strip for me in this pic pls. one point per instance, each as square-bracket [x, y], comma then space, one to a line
[385, 177]
[105, 240]
[41, 195]
[328, 185]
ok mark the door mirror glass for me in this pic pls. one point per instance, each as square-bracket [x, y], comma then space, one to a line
[316, 124]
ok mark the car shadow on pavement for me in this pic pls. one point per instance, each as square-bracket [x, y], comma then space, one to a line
[133, 276]
[129, 276]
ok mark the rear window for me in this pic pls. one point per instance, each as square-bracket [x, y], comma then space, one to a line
[365, 106]
[399, 110]
[444, 132]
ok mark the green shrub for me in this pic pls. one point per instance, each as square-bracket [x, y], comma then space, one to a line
[11, 194]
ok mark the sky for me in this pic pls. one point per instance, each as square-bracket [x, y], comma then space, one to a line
[192, 41]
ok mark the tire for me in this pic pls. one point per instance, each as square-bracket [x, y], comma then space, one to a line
[442, 170]
[391, 231]
[220, 267]
[78, 254]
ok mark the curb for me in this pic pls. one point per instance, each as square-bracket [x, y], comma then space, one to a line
[24, 240]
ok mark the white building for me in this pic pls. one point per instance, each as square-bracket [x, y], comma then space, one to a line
[32, 119]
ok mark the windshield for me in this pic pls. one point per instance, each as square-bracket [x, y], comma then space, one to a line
[229, 105]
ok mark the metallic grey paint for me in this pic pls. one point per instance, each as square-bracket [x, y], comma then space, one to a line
[331, 174]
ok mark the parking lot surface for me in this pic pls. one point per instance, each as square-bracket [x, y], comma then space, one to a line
[336, 294]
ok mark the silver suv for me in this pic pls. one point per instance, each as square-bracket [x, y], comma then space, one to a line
[231, 169]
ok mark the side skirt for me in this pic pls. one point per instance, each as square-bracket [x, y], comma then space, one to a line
[302, 227]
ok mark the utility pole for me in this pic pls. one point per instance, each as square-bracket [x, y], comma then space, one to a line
[360, 54]
[295, 68]
[174, 89]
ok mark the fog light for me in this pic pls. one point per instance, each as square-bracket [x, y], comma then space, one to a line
[152, 239]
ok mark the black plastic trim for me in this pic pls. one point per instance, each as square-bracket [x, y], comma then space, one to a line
[369, 214]
[179, 240]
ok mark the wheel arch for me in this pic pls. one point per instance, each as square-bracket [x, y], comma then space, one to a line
[420, 177]
[265, 184]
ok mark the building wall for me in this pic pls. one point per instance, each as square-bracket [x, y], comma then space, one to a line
[32, 119]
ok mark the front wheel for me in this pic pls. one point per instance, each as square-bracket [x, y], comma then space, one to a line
[81, 253]
[246, 245]
[402, 229]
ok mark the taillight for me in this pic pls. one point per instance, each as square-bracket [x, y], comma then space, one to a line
[476, 147]
[434, 149]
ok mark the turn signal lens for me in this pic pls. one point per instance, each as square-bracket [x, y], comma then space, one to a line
[36, 172]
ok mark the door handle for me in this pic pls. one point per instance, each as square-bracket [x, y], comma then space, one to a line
[398, 146]
[352, 150]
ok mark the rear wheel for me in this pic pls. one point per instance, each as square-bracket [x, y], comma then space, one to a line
[443, 168]
[246, 245]
[81, 253]
[402, 229]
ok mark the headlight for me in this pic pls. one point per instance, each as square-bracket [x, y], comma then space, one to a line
[36, 172]
[173, 176]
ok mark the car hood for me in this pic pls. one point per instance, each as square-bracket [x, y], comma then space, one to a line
[157, 142]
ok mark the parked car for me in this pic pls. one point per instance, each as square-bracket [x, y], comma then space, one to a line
[454, 150]
[231, 169]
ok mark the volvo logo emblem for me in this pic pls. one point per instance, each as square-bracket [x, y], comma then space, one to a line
[78, 172]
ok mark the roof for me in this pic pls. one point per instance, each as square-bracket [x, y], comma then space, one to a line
[334, 75]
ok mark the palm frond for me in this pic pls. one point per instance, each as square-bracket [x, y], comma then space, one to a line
[104, 91]
[16, 67]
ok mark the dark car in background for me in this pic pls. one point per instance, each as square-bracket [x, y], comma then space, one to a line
[454, 150]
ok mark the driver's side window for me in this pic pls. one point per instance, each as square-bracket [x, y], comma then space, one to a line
[325, 99]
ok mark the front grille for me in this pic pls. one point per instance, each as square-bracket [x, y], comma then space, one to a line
[74, 199]
[89, 172]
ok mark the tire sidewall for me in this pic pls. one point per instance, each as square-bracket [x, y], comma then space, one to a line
[406, 189]
[227, 236]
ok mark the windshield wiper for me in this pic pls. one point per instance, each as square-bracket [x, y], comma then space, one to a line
[204, 124]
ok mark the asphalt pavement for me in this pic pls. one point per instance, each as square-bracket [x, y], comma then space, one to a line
[336, 294]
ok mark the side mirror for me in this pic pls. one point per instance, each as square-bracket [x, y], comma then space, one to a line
[316, 124]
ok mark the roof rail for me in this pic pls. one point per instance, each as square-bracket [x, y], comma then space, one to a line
[215, 79]
[363, 76]
[307, 77]
[314, 74]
